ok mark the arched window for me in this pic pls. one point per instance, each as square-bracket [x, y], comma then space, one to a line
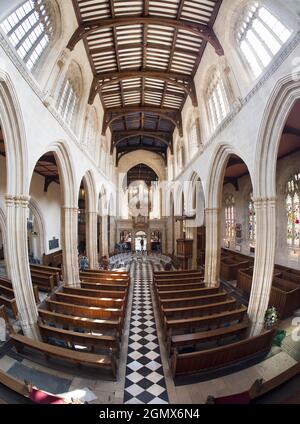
[260, 36]
[251, 220]
[293, 211]
[217, 101]
[230, 217]
[193, 138]
[30, 29]
[69, 97]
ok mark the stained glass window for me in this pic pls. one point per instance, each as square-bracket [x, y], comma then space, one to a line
[260, 36]
[293, 211]
[251, 220]
[230, 217]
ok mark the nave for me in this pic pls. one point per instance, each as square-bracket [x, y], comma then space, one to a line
[145, 368]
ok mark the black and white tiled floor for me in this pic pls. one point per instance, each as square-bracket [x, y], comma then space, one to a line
[144, 381]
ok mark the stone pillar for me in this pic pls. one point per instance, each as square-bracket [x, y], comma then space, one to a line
[17, 249]
[213, 247]
[91, 239]
[70, 246]
[104, 241]
[264, 262]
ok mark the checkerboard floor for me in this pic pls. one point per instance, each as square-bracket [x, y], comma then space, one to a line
[145, 381]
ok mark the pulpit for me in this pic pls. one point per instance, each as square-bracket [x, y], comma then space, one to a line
[184, 252]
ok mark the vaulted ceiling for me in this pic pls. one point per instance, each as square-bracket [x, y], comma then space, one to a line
[144, 55]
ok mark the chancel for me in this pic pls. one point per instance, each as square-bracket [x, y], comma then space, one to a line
[149, 202]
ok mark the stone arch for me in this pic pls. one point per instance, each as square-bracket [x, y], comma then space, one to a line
[279, 106]
[195, 194]
[3, 229]
[14, 137]
[217, 171]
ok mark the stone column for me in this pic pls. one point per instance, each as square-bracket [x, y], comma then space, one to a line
[17, 251]
[70, 246]
[213, 247]
[91, 239]
[104, 241]
[264, 262]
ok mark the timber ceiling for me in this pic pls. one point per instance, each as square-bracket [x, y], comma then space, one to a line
[144, 55]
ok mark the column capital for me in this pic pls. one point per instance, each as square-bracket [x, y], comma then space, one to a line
[71, 208]
[19, 200]
[260, 201]
[212, 210]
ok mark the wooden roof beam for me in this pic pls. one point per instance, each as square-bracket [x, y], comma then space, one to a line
[176, 120]
[184, 82]
[200, 30]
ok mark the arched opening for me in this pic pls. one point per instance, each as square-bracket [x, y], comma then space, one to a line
[140, 241]
[46, 194]
[82, 219]
[238, 226]
[156, 241]
[286, 276]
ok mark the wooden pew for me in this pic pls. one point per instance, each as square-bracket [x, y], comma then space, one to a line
[104, 274]
[7, 299]
[165, 274]
[96, 293]
[89, 301]
[201, 310]
[14, 384]
[172, 294]
[83, 339]
[48, 270]
[100, 286]
[105, 280]
[284, 296]
[220, 357]
[53, 259]
[193, 301]
[45, 282]
[230, 267]
[192, 339]
[112, 327]
[182, 286]
[178, 281]
[81, 358]
[207, 322]
[84, 311]
[291, 275]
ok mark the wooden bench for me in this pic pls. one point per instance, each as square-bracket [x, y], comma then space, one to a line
[105, 280]
[14, 384]
[177, 275]
[104, 274]
[95, 312]
[109, 294]
[82, 358]
[89, 301]
[83, 339]
[45, 282]
[193, 301]
[112, 327]
[103, 286]
[48, 270]
[230, 267]
[200, 310]
[192, 339]
[172, 294]
[181, 286]
[7, 299]
[53, 259]
[284, 296]
[220, 357]
[204, 322]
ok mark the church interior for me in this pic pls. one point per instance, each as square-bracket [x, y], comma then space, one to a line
[149, 202]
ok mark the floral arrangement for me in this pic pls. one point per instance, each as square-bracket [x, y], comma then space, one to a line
[271, 317]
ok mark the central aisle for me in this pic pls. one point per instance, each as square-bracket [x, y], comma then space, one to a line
[145, 380]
